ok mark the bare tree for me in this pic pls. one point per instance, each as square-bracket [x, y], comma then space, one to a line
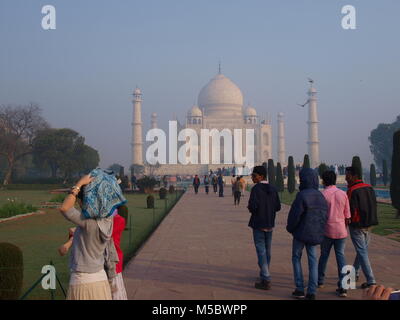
[18, 127]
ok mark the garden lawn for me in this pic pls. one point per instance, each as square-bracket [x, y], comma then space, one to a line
[33, 197]
[40, 236]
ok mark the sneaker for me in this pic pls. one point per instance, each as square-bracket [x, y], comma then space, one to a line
[341, 292]
[263, 285]
[310, 296]
[366, 285]
[298, 294]
[321, 285]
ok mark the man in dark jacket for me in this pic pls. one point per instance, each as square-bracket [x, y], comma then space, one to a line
[306, 222]
[363, 208]
[263, 204]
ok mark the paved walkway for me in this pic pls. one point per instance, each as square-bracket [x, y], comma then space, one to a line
[204, 250]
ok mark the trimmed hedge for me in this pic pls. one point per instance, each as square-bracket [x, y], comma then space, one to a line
[11, 271]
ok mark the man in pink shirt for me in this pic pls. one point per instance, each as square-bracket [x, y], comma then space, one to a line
[336, 229]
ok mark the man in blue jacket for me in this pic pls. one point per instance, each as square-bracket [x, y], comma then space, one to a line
[263, 204]
[306, 222]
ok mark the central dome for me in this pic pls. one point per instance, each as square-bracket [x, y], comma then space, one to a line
[221, 97]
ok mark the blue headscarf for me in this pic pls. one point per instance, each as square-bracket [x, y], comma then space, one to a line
[102, 196]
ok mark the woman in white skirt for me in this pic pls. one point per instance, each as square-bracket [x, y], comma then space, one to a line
[92, 237]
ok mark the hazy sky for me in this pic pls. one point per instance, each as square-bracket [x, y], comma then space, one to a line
[82, 73]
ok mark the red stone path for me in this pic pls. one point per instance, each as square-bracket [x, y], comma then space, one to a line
[204, 250]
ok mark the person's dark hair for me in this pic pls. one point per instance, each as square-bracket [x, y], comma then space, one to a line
[234, 175]
[238, 179]
[329, 178]
[354, 171]
[260, 170]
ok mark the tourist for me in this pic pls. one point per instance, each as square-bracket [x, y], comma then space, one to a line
[243, 183]
[93, 258]
[221, 183]
[306, 222]
[233, 181]
[206, 183]
[335, 229]
[363, 208]
[196, 183]
[214, 181]
[134, 182]
[117, 283]
[263, 204]
[237, 191]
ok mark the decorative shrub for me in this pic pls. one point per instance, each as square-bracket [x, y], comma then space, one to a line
[291, 183]
[146, 184]
[171, 189]
[395, 181]
[11, 270]
[150, 202]
[306, 161]
[13, 208]
[162, 193]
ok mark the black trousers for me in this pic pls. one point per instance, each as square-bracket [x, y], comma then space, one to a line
[237, 195]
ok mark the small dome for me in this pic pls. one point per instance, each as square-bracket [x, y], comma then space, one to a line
[195, 112]
[154, 115]
[281, 114]
[250, 112]
[137, 91]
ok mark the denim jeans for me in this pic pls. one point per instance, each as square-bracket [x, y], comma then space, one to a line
[297, 251]
[326, 246]
[262, 241]
[361, 238]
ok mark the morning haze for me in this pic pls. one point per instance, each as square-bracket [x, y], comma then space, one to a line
[83, 73]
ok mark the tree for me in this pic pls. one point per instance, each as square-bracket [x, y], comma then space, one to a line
[356, 162]
[372, 175]
[90, 159]
[291, 183]
[18, 128]
[381, 141]
[306, 162]
[321, 169]
[136, 169]
[64, 151]
[280, 187]
[265, 165]
[385, 174]
[395, 173]
[271, 172]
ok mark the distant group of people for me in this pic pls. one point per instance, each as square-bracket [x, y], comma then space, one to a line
[96, 258]
[238, 185]
[316, 219]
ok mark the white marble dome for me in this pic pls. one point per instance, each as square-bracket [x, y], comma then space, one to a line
[250, 112]
[195, 112]
[221, 97]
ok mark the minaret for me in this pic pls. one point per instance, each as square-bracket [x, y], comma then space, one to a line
[281, 140]
[137, 142]
[154, 124]
[313, 141]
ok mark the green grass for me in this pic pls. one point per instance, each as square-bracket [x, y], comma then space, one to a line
[40, 236]
[388, 224]
[33, 197]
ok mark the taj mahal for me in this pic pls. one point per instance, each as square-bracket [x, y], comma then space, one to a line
[220, 105]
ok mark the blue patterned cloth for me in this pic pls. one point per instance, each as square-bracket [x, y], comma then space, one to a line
[102, 196]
